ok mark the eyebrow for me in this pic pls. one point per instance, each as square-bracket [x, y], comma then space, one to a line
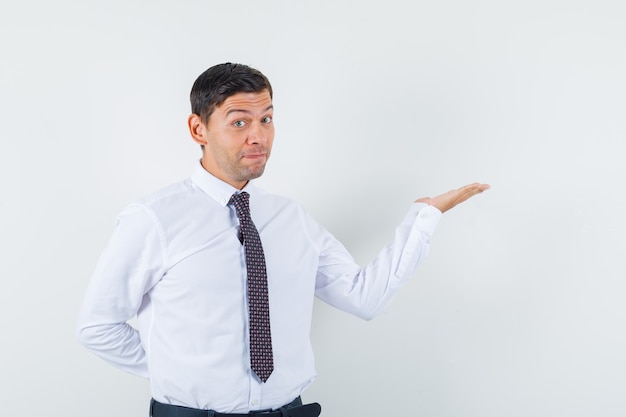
[270, 107]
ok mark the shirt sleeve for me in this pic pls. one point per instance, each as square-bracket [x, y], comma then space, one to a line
[366, 291]
[130, 265]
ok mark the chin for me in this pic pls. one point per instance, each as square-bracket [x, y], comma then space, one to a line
[256, 174]
[253, 173]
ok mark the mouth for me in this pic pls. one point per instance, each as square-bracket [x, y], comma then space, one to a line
[254, 156]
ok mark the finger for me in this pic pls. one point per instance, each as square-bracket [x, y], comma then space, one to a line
[468, 191]
[474, 188]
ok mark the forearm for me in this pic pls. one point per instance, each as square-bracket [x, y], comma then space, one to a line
[129, 266]
[366, 291]
[118, 344]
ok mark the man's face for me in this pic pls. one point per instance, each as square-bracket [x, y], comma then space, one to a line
[238, 138]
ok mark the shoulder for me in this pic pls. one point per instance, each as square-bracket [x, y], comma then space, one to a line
[167, 194]
[282, 210]
[162, 201]
[272, 201]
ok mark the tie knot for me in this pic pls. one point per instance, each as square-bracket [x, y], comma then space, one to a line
[241, 201]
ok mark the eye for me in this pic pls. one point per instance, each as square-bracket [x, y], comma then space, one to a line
[239, 123]
[266, 120]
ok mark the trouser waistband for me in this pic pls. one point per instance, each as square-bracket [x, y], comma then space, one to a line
[293, 409]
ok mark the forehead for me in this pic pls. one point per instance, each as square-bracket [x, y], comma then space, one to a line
[248, 102]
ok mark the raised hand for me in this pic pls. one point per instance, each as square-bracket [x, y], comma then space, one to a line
[446, 201]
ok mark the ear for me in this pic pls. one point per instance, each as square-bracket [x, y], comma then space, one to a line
[197, 129]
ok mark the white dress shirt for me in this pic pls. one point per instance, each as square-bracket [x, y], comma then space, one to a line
[175, 262]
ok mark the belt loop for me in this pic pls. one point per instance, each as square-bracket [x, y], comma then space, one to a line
[211, 413]
[151, 405]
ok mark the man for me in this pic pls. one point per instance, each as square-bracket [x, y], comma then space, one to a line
[187, 261]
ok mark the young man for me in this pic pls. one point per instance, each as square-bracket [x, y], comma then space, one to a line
[224, 295]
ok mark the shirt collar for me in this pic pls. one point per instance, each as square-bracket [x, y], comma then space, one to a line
[217, 189]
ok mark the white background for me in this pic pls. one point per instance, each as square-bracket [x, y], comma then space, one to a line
[519, 309]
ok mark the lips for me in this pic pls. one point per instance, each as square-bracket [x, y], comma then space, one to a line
[256, 154]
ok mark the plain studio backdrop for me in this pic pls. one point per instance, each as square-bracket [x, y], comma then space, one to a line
[519, 309]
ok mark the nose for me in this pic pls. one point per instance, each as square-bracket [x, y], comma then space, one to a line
[257, 134]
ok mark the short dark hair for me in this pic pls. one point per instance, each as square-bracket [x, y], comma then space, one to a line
[221, 81]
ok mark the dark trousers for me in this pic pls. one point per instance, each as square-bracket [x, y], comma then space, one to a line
[293, 409]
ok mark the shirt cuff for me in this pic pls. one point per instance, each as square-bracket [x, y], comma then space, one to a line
[426, 217]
